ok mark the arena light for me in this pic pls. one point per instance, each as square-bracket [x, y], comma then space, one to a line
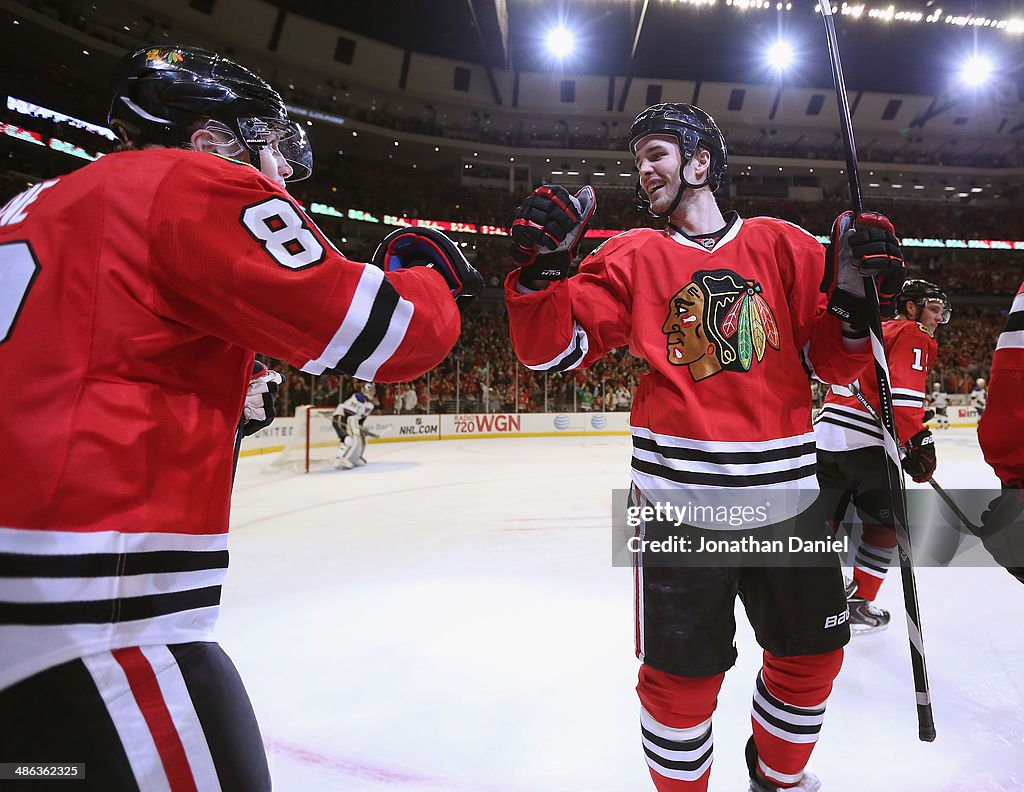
[976, 71]
[780, 55]
[561, 42]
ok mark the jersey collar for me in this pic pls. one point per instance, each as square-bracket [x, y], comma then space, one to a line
[729, 232]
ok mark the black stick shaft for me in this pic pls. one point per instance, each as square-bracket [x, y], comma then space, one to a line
[948, 500]
[925, 721]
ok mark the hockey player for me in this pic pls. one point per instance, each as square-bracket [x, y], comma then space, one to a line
[347, 419]
[979, 396]
[999, 433]
[132, 294]
[721, 309]
[939, 402]
[852, 462]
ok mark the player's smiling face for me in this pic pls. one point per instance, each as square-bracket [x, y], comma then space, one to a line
[684, 338]
[931, 316]
[657, 160]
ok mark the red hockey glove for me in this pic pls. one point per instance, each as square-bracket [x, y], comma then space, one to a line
[862, 246]
[875, 246]
[547, 229]
[920, 459]
[427, 247]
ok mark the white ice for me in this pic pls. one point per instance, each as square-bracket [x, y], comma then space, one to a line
[448, 618]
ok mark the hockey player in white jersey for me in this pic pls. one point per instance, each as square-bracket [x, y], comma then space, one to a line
[979, 396]
[347, 419]
[939, 402]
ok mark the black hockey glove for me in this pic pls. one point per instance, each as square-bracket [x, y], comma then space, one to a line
[427, 247]
[1002, 525]
[920, 459]
[859, 247]
[258, 410]
[547, 229]
[928, 415]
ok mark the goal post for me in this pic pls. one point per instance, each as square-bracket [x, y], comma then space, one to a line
[314, 443]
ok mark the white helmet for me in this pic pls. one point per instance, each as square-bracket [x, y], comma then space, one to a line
[936, 386]
[980, 382]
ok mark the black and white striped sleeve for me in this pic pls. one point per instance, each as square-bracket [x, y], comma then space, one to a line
[372, 329]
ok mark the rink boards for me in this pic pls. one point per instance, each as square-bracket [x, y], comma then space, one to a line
[399, 428]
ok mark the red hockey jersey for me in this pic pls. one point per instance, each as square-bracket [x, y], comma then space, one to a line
[844, 424]
[729, 334]
[1002, 424]
[133, 293]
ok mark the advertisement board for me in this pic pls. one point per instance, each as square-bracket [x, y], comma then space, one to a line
[288, 432]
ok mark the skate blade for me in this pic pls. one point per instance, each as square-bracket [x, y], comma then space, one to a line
[867, 629]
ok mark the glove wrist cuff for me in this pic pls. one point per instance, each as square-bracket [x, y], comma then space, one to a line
[548, 267]
[849, 308]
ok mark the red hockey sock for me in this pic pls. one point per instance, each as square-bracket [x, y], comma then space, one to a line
[874, 556]
[788, 710]
[675, 724]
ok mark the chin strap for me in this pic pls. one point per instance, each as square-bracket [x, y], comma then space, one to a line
[683, 186]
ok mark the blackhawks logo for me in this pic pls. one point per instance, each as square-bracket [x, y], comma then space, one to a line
[719, 321]
[167, 56]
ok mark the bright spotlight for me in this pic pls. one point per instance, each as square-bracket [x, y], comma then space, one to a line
[561, 42]
[976, 71]
[780, 55]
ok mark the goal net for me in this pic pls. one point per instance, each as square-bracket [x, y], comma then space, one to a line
[314, 444]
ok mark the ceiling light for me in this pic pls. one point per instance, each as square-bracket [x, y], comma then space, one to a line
[780, 55]
[560, 42]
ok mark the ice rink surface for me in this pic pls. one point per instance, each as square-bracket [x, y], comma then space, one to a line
[448, 618]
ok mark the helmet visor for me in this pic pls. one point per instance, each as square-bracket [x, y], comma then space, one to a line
[287, 138]
[947, 309]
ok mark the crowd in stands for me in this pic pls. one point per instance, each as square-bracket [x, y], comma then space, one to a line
[386, 188]
[481, 375]
[966, 345]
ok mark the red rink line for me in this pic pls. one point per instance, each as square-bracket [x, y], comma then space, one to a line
[367, 772]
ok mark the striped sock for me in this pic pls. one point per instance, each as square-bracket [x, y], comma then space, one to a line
[675, 727]
[788, 710]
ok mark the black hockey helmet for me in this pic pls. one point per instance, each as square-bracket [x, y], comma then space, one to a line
[919, 292]
[162, 92]
[692, 128]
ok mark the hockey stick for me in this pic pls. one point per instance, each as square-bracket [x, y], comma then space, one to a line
[946, 497]
[948, 500]
[925, 720]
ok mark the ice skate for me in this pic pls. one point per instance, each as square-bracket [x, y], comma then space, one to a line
[865, 616]
[758, 783]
